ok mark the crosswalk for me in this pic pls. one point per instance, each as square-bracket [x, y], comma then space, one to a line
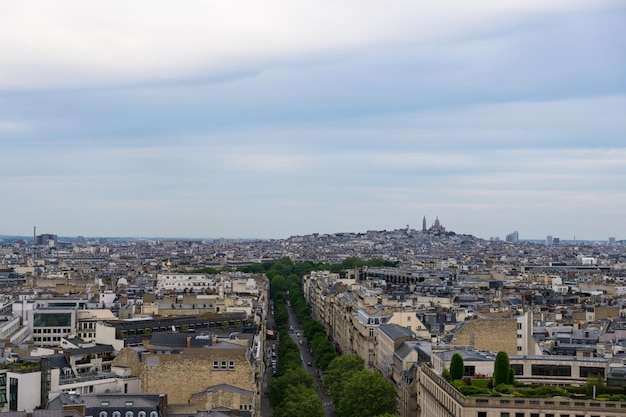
[327, 403]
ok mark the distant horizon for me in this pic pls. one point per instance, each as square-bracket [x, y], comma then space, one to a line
[156, 237]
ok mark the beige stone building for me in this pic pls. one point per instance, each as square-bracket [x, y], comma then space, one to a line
[222, 375]
[389, 337]
[494, 335]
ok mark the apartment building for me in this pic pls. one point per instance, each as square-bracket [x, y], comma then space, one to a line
[437, 398]
[389, 337]
[225, 374]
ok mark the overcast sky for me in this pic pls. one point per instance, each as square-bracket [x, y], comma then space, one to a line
[276, 118]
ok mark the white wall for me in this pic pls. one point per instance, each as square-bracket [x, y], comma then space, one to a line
[28, 390]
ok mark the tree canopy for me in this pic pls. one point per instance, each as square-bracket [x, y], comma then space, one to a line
[501, 369]
[338, 371]
[366, 394]
[300, 401]
[277, 387]
[457, 367]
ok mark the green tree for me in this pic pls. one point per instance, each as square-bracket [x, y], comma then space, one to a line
[501, 369]
[366, 394]
[338, 371]
[300, 401]
[511, 380]
[279, 283]
[457, 367]
[277, 387]
[597, 381]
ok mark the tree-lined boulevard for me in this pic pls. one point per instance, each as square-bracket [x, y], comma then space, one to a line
[312, 379]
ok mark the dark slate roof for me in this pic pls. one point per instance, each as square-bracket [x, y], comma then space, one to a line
[169, 339]
[404, 350]
[56, 361]
[202, 413]
[90, 350]
[54, 413]
[76, 341]
[226, 345]
[107, 402]
[468, 355]
[179, 340]
[395, 331]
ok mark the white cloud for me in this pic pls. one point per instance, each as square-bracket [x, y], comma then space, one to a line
[99, 43]
[13, 127]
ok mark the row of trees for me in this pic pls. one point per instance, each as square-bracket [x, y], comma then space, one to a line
[285, 266]
[292, 392]
[502, 371]
[355, 391]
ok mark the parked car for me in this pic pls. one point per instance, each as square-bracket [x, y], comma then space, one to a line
[309, 363]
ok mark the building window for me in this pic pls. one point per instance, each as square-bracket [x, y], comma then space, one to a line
[231, 365]
[586, 371]
[116, 414]
[216, 365]
[519, 414]
[551, 370]
[128, 414]
[223, 364]
[519, 348]
[13, 382]
[482, 414]
[505, 414]
[154, 414]
[519, 326]
[103, 414]
[371, 332]
[519, 370]
[141, 414]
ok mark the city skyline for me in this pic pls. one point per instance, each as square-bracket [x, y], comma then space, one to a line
[272, 119]
[433, 229]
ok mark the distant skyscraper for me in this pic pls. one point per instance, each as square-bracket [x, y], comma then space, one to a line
[424, 224]
[611, 241]
[512, 237]
[549, 240]
[46, 239]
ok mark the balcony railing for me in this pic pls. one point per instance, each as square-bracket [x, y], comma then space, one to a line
[91, 376]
